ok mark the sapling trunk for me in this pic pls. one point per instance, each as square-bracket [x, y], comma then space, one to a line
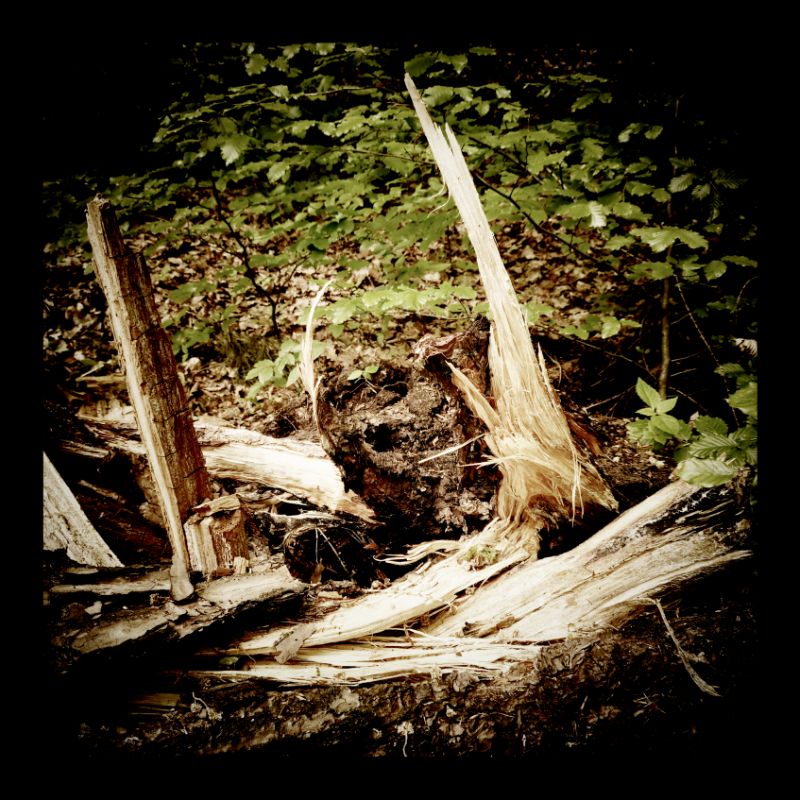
[663, 375]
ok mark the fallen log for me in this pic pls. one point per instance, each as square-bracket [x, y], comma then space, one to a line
[621, 691]
[681, 532]
[114, 631]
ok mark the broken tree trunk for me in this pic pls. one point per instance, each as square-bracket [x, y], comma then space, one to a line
[159, 403]
[528, 433]
[67, 528]
[679, 533]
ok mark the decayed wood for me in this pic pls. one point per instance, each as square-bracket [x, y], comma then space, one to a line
[210, 545]
[154, 388]
[217, 536]
[104, 585]
[680, 532]
[298, 466]
[66, 527]
[214, 602]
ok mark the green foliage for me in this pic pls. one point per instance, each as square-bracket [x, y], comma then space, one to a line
[364, 374]
[708, 454]
[273, 372]
[309, 157]
[658, 427]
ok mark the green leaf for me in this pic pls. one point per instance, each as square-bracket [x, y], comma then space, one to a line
[647, 393]
[639, 431]
[436, 95]
[618, 242]
[584, 101]
[741, 261]
[653, 132]
[713, 445]
[294, 374]
[705, 424]
[458, 62]
[651, 270]
[661, 196]
[278, 172]
[714, 270]
[592, 149]
[637, 189]
[706, 472]
[666, 405]
[660, 239]
[681, 183]
[341, 311]
[261, 371]
[419, 64]
[667, 423]
[746, 399]
[626, 134]
[256, 64]
[628, 211]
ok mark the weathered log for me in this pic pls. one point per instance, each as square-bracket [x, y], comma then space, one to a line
[107, 584]
[298, 466]
[620, 693]
[154, 626]
[67, 528]
[679, 533]
[156, 393]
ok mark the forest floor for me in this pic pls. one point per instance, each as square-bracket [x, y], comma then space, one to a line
[628, 692]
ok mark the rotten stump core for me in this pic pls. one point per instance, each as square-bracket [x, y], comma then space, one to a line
[391, 443]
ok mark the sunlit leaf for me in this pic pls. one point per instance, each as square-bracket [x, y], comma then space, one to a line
[647, 393]
[597, 214]
[419, 64]
[714, 270]
[280, 90]
[256, 64]
[706, 472]
[746, 400]
[233, 147]
[611, 327]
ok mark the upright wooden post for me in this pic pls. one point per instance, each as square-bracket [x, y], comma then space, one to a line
[156, 393]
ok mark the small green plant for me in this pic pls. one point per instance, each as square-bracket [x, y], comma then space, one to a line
[363, 374]
[272, 372]
[482, 556]
[658, 427]
[714, 455]
[707, 453]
